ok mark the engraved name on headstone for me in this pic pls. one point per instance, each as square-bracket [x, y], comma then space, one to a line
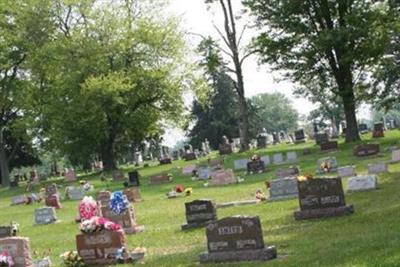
[361, 183]
[199, 213]
[281, 189]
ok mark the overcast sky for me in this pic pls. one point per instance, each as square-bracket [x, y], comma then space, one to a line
[195, 18]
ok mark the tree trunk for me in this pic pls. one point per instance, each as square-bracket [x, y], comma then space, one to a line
[108, 155]
[5, 171]
[352, 133]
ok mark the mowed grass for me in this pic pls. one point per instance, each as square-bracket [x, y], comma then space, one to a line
[369, 237]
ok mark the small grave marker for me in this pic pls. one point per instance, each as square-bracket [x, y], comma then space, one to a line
[222, 177]
[327, 165]
[240, 164]
[118, 175]
[289, 172]
[75, 193]
[46, 215]
[266, 159]
[278, 158]
[282, 189]
[19, 200]
[395, 156]
[199, 213]
[160, 179]
[366, 150]
[255, 166]
[300, 136]
[19, 249]
[376, 168]
[346, 171]
[291, 157]
[204, 173]
[329, 146]
[362, 183]
[133, 194]
[188, 170]
[321, 138]
[70, 176]
[134, 178]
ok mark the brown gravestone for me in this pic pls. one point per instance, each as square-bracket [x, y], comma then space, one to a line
[236, 239]
[321, 198]
[199, 213]
[127, 219]
[222, 177]
[51, 190]
[53, 201]
[289, 172]
[103, 198]
[160, 179]
[329, 146]
[100, 248]
[19, 249]
[190, 156]
[366, 150]
[165, 161]
[321, 138]
[133, 194]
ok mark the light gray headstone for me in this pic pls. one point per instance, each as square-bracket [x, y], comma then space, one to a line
[46, 262]
[240, 164]
[204, 173]
[396, 155]
[376, 168]
[17, 200]
[278, 158]
[45, 215]
[291, 156]
[76, 193]
[360, 183]
[266, 160]
[282, 189]
[347, 171]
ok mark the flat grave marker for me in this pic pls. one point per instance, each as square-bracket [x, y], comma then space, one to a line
[287, 172]
[222, 177]
[46, 215]
[160, 179]
[366, 150]
[291, 157]
[395, 156]
[240, 164]
[278, 158]
[327, 165]
[282, 189]
[362, 183]
[346, 171]
[377, 168]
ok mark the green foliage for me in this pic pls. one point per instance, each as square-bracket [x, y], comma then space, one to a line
[275, 112]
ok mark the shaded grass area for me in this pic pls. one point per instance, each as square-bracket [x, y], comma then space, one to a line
[369, 237]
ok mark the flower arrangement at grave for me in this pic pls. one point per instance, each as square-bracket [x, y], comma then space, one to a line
[260, 195]
[97, 224]
[88, 208]
[6, 260]
[303, 178]
[179, 188]
[268, 184]
[326, 166]
[188, 191]
[256, 157]
[72, 259]
[119, 203]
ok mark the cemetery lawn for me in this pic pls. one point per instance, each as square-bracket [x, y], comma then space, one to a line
[369, 237]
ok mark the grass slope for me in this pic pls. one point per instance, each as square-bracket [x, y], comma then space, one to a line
[369, 237]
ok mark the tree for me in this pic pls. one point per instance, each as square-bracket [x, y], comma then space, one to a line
[23, 28]
[329, 46]
[112, 75]
[275, 112]
[232, 40]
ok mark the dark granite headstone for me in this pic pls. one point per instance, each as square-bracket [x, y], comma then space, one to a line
[261, 141]
[363, 128]
[134, 178]
[199, 213]
[321, 138]
[321, 198]
[366, 150]
[165, 161]
[300, 136]
[6, 231]
[236, 239]
[190, 156]
[225, 149]
[328, 146]
[255, 166]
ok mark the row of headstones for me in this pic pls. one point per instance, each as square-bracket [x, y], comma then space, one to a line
[277, 159]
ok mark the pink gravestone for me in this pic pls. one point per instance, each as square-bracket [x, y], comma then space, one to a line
[19, 249]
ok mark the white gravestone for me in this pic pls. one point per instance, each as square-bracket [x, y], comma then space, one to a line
[240, 164]
[266, 160]
[278, 158]
[396, 156]
[291, 157]
[360, 183]
[347, 171]
[376, 168]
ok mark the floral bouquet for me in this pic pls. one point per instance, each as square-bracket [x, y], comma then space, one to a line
[326, 166]
[304, 178]
[72, 259]
[255, 158]
[96, 224]
[179, 188]
[119, 203]
[6, 259]
[188, 191]
[88, 208]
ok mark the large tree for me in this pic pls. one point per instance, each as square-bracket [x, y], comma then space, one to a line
[275, 112]
[232, 39]
[24, 27]
[112, 74]
[323, 45]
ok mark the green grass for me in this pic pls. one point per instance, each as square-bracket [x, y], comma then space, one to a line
[369, 237]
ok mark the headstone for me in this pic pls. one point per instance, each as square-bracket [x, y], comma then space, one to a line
[19, 200]
[366, 150]
[376, 168]
[103, 198]
[46, 215]
[188, 170]
[307, 151]
[261, 141]
[363, 128]
[327, 165]
[300, 136]
[118, 175]
[396, 156]
[361, 183]
[346, 171]
[94, 248]
[190, 156]
[222, 177]
[278, 158]
[134, 178]
[379, 129]
[255, 166]
[53, 201]
[51, 189]
[46, 262]
[225, 149]
[282, 189]
[321, 198]
[6, 231]
[19, 249]
[165, 161]
[329, 146]
[321, 138]
[204, 173]
[266, 160]
[160, 179]
[236, 239]
[289, 172]
[75, 193]
[70, 176]
[291, 157]
[199, 213]
[127, 219]
[240, 164]
[133, 194]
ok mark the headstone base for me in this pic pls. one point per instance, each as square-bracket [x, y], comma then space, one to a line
[134, 229]
[324, 213]
[194, 225]
[238, 203]
[265, 254]
[285, 197]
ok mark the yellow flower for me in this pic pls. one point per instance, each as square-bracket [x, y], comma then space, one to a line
[302, 178]
[189, 191]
